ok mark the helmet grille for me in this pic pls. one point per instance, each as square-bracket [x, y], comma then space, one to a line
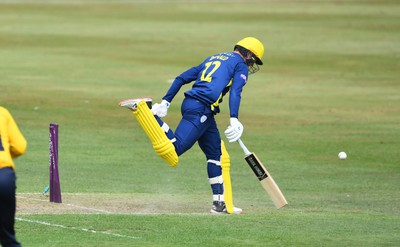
[252, 62]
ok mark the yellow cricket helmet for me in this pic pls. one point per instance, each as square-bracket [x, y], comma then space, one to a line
[255, 46]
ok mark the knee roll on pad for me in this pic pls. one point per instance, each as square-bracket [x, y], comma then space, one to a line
[225, 159]
[161, 144]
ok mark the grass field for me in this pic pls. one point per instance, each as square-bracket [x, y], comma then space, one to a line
[330, 83]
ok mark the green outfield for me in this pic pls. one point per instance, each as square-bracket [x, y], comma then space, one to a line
[330, 83]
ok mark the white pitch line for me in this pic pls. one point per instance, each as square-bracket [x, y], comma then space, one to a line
[75, 228]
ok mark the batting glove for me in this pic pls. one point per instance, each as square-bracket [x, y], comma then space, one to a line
[160, 109]
[234, 130]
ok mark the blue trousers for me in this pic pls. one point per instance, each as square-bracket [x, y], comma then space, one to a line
[198, 125]
[7, 207]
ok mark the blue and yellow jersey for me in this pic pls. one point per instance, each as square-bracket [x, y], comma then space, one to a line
[12, 142]
[213, 78]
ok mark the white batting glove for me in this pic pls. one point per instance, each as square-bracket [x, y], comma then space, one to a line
[160, 109]
[234, 130]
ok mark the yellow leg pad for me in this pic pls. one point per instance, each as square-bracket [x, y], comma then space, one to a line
[226, 176]
[161, 144]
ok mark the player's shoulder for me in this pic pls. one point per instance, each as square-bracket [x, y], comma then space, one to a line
[225, 56]
[2, 109]
[4, 115]
[4, 112]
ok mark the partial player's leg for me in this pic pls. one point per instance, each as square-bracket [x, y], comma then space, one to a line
[167, 130]
[191, 127]
[7, 207]
[217, 164]
[161, 144]
[196, 119]
[210, 143]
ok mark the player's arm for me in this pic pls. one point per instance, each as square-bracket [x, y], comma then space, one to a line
[238, 81]
[16, 139]
[184, 78]
[188, 76]
[235, 129]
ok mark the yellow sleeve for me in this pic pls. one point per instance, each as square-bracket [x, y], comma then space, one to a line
[16, 140]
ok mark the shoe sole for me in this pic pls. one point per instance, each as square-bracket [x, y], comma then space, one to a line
[148, 100]
[215, 212]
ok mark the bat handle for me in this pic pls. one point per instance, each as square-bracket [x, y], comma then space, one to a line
[245, 150]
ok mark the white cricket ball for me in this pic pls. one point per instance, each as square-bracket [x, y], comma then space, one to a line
[342, 155]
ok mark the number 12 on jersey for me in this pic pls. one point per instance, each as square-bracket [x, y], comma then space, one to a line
[208, 76]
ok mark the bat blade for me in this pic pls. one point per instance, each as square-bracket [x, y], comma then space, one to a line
[266, 180]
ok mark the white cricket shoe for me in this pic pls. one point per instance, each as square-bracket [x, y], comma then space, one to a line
[219, 207]
[132, 103]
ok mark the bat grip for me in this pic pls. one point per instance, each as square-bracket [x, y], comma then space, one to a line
[245, 150]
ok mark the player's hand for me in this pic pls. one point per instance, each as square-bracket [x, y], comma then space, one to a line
[234, 130]
[160, 109]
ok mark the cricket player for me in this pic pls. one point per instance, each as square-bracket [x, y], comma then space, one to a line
[213, 78]
[12, 145]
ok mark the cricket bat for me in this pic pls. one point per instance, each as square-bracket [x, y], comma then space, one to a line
[265, 178]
